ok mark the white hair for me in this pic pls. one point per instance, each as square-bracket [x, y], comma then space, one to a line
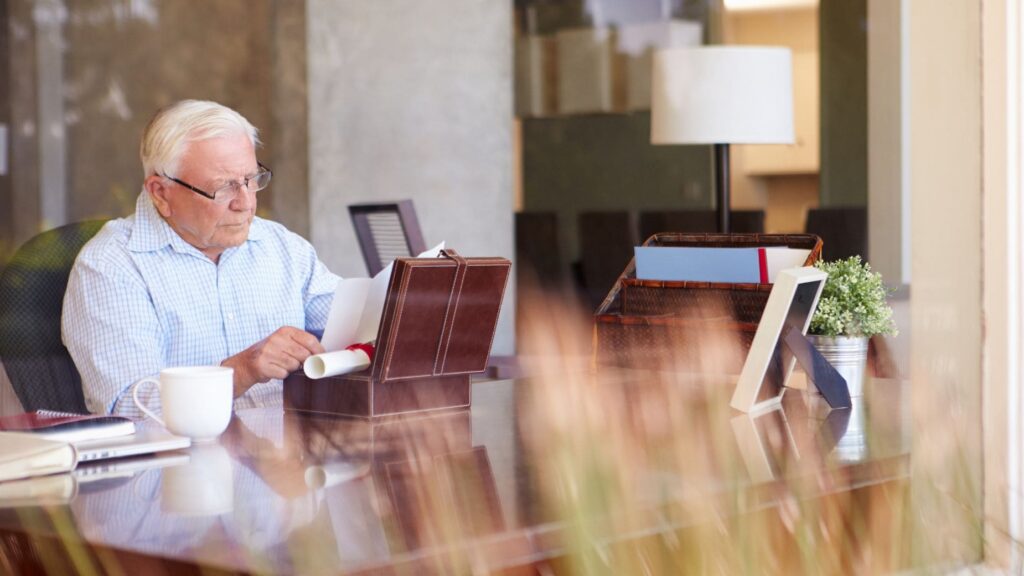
[175, 127]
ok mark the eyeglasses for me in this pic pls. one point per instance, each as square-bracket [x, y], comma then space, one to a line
[230, 191]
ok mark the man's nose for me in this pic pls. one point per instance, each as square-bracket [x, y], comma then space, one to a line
[244, 199]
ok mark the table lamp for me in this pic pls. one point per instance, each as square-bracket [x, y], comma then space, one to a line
[722, 95]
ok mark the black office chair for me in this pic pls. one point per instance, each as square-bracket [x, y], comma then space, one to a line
[31, 298]
[606, 247]
[386, 231]
[538, 257]
[843, 231]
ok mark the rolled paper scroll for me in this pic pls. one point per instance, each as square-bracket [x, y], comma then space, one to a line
[352, 359]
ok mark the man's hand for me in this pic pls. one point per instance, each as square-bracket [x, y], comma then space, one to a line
[276, 356]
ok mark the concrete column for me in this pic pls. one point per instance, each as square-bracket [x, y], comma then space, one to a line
[844, 102]
[289, 116]
[413, 100]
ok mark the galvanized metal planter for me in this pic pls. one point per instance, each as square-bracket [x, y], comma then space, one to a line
[849, 356]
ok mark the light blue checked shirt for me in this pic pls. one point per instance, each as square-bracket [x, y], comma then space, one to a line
[140, 299]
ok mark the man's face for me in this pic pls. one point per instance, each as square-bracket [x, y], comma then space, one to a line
[208, 165]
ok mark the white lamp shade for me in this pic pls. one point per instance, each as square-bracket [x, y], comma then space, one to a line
[722, 95]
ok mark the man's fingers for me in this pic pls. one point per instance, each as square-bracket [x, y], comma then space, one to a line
[289, 364]
[304, 339]
[276, 369]
[292, 350]
[282, 353]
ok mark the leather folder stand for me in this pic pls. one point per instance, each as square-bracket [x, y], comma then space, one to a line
[436, 330]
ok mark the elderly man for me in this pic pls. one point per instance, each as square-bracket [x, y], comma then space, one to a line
[194, 277]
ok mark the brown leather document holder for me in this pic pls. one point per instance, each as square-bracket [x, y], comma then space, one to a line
[436, 330]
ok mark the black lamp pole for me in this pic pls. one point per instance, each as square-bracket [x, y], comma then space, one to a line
[722, 186]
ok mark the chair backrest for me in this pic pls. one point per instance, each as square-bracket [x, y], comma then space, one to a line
[606, 247]
[843, 231]
[31, 298]
[386, 231]
[538, 257]
[698, 221]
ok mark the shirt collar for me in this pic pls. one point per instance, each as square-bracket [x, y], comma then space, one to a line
[151, 232]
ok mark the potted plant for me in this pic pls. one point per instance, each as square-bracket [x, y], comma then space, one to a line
[852, 309]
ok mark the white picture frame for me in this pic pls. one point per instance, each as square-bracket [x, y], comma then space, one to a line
[793, 299]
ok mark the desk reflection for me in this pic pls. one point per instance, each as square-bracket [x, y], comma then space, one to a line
[772, 448]
[765, 442]
[490, 487]
[350, 492]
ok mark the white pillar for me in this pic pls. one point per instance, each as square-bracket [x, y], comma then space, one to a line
[889, 139]
[945, 107]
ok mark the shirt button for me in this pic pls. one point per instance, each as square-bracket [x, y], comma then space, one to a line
[231, 316]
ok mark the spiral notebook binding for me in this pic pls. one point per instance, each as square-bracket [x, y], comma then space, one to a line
[58, 414]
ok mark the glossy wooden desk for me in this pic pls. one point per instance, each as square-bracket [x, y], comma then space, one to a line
[448, 492]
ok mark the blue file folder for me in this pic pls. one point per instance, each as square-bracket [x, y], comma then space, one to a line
[698, 264]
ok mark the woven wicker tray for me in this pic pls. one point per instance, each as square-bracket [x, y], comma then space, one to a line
[657, 323]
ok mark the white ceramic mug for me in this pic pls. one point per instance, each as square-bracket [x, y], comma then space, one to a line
[195, 400]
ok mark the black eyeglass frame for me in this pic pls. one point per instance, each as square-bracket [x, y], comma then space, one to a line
[212, 197]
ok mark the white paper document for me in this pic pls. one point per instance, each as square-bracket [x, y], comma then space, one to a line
[346, 313]
[354, 319]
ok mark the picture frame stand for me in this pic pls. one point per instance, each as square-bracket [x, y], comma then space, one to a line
[819, 370]
[780, 343]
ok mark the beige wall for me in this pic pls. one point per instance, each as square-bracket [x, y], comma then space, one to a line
[789, 198]
[795, 28]
[786, 198]
[946, 251]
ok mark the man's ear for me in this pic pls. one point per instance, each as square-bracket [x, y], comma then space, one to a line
[158, 191]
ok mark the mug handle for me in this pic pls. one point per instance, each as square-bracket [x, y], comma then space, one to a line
[135, 397]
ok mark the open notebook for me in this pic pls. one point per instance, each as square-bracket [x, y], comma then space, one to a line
[146, 439]
[23, 455]
[91, 476]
